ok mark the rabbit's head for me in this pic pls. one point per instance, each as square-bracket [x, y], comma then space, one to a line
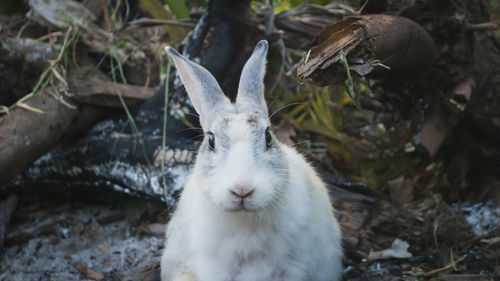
[240, 165]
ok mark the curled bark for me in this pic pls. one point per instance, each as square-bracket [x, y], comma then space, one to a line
[372, 44]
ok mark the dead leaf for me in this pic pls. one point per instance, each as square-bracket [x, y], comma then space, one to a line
[398, 250]
[89, 273]
[104, 248]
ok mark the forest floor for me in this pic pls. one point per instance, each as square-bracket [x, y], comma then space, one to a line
[66, 233]
[60, 239]
[113, 236]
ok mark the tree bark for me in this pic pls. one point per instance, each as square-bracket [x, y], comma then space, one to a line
[26, 135]
[372, 44]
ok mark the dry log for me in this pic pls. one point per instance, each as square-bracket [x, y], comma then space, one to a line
[26, 135]
[105, 93]
[372, 44]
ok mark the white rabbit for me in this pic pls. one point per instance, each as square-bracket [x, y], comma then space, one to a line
[252, 209]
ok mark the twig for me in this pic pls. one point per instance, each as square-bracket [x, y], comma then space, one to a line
[49, 35]
[115, 10]
[434, 231]
[452, 264]
[22, 29]
[485, 26]
[294, 67]
[360, 10]
[379, 63]
[106, 14]
[347, 8]
[148, 21]
[307, 56]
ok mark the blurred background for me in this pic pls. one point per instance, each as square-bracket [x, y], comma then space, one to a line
[395, 102]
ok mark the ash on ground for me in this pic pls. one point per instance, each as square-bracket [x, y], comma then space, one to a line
[57, 240]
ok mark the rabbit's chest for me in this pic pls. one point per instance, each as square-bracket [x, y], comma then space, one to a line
[254, 267]
[265, 264]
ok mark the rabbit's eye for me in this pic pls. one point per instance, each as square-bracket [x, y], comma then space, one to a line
[269, 139]
[211, 140]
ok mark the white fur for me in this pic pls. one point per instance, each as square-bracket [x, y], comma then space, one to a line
[286, 230]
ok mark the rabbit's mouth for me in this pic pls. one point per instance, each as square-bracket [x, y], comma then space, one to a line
[242, 205]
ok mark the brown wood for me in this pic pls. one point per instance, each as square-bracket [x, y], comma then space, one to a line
[373, 44]
[26, 135]
[105, 93]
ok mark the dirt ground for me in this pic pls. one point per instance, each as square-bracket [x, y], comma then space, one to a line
[107, 235]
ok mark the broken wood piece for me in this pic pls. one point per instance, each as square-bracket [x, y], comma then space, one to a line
[464, 277]
[105, 93]
[461, 95]
[485, 26]
[373, 44]
[153, 22]
[434, 132]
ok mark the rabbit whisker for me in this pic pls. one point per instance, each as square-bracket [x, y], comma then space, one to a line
[285, 106]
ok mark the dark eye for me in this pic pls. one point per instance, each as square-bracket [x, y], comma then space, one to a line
[211, 140]
[269, 139]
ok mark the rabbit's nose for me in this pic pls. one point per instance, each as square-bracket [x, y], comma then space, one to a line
[242, 191]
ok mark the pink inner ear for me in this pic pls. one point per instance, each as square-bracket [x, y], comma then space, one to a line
[191, 86]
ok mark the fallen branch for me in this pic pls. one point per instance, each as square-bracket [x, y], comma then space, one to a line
[451, 265]
[486, 26]
[152, 22]
[104, 93]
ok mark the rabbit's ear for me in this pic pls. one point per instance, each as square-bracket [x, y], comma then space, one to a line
[250, 96]
[203, 90]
